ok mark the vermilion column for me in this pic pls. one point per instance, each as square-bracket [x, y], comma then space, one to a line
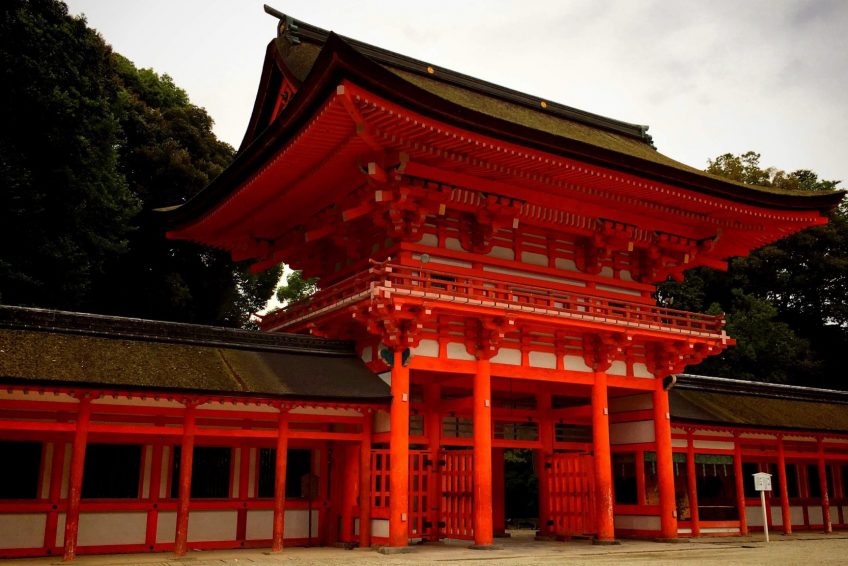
[351, 467]
[785, 511]
[433, 422]
[279, 525]
[75, 481]
[482, 467]
[740, 486]
[603, 461]
[665, 464]
[186, 459]
[692, 481]
[365, 482]
[825, 498]
[399, 454]
[546, 438]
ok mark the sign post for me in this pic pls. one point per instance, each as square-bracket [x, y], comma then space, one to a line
[762, 483]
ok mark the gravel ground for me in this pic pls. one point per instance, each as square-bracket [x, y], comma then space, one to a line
[521, 549]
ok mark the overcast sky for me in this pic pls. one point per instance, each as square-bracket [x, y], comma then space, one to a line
[707, 77]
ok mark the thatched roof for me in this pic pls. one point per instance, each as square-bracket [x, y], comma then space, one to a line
[744, 403]
[50, 347]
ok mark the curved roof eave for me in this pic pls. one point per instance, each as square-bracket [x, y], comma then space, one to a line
[339, 60]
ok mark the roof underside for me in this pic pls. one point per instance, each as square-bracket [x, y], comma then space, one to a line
[93, 351]
[320, 137]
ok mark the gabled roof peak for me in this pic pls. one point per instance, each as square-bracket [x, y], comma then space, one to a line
[292, 33]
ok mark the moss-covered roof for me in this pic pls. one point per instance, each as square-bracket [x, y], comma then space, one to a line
[89, 350]
[743, 403]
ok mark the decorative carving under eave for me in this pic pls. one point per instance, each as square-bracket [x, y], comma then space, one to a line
[609, 236]
[397, 325]
[599, 350]
[484, 335]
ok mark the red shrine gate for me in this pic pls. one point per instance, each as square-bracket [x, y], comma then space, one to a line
[494, 256]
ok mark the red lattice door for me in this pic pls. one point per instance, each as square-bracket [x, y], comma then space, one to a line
[420, 468]
[571, 488]
[457, 507]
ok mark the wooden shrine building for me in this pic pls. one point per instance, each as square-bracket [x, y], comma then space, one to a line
[491, 256]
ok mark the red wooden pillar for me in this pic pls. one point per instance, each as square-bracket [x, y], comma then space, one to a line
[825, 497]
[75, 481]
[399, 454]
[603, 459]
[482, 466]
[365, 482]
[351, 475]
[785, 510]
[546, 439]
[498, 493]
[279, 524]
[692, 483]
[665, 464]
[186, 459]
[740, 485]
[433, 422]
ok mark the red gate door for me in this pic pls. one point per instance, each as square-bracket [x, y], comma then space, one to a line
[571, 489]
[457, 494]
[420, 476]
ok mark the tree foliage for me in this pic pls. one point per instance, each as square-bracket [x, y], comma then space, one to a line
[91, 146]
[785, 303]
[296, 287]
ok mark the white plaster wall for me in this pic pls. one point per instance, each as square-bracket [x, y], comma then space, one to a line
[534, 259]
[457, 351]
[501, 252]
[166, 526]
[148, 466]
[565, 264]
[575, 363]
[796, 514]
[619, 290]
[632, 433]
[631, 403]
[606, 271]
[686, 531]
[22, 530]
[251, 472]
[754, 515]
[641, 370]
[429, 240]
[542, 360]
[776, 515]
[382, 422]
[618, 367]
[96, 529]
[260, 524]
[379, 527]
[163, 472]
[814, 512]
[453, 244]
[509, 356]
[641, 522]
[212, 525]
[450, 261]
[60, 529]
[427, 348]
[716, 530]
[713, 444]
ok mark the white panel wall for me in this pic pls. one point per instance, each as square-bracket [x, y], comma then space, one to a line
[97, 529]
[640, 522]
[509, 356]
[428, 348]
[260, 524]
[22, 530]
[212, 525]
[632, 433]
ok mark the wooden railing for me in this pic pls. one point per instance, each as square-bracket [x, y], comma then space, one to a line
[442, 286]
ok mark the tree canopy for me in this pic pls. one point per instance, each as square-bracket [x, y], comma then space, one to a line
[785, 303]
[90, 146]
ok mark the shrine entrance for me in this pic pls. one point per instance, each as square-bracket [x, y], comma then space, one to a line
[521, 488]
[571, 493]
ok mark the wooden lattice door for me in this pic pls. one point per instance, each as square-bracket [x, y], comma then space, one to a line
[457, 507]
[571, 489]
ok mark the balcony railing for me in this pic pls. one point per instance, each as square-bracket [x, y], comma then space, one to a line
[447, 287]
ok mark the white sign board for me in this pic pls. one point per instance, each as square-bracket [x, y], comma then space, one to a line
[762, 481]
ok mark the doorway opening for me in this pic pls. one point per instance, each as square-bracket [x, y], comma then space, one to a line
[521, 486]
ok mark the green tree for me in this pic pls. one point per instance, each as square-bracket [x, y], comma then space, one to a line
[296, 287]
[89, 148]
[65, 208]
[786, 303]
